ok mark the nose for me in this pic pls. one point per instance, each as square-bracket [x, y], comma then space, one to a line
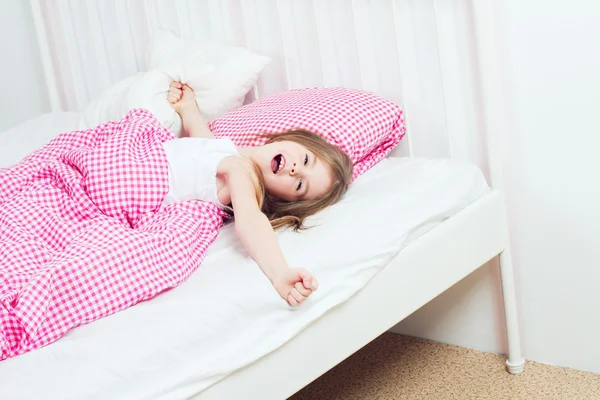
[295, 169]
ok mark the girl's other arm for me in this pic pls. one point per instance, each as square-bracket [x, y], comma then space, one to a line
[254, 230]
[182, 99]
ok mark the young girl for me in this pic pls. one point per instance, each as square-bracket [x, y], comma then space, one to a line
[279, 184]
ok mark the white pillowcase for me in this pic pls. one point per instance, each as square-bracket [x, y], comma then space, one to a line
[145, 90]
[220, 75]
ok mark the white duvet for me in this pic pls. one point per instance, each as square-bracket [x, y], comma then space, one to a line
[227, 315]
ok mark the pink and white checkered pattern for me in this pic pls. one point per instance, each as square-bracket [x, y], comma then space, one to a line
[367, 127]
[83, 235]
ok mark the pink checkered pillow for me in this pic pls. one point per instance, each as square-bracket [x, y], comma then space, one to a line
[367, 127]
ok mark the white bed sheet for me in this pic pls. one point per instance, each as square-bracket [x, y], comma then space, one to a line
[227, 315]
[21, 140]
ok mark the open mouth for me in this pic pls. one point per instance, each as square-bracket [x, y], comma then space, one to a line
[277, 163]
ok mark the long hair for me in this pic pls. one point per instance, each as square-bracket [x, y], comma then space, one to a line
[284, 214]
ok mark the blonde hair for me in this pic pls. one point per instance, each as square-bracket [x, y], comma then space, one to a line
[291, 214]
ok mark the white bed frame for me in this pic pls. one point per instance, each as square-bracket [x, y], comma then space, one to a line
[438, 260]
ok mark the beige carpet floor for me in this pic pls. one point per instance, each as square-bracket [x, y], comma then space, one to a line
[406, 368]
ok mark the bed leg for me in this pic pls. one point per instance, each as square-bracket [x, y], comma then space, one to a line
[515, 362]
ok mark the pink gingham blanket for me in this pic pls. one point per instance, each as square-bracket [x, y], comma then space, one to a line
[82, 233]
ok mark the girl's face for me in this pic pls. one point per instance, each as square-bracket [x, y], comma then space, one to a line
[291, 172]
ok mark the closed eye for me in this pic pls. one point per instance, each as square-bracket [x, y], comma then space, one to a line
[306, 159]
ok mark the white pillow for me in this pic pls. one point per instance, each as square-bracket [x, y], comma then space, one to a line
[145, 90]
[220, 75]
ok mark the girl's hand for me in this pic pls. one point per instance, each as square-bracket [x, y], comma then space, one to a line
[294, 285]
[181, 97]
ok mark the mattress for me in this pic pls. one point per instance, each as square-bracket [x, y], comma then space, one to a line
[227, 315]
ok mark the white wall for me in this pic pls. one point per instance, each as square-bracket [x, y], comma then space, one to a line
[22, 91]
[552, 66]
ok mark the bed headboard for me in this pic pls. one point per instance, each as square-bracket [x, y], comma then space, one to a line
[434, 57]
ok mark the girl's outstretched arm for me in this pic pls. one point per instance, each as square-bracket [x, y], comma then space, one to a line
[182, 99]
[254, 230]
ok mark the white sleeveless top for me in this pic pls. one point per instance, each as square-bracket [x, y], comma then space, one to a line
[193, 166]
